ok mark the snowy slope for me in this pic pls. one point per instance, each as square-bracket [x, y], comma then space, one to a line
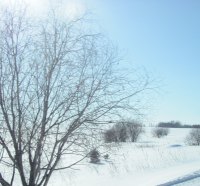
[149, 162]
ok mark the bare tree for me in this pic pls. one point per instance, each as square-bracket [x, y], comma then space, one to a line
[58, 84]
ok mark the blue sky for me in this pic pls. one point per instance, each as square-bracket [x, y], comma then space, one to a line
[164, 37]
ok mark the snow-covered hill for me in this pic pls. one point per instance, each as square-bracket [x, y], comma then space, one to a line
[149, 162]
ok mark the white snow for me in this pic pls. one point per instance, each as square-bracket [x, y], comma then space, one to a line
[149, 162]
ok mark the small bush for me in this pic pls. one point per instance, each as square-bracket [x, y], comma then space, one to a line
[135, 130]
[159, 132]
[118, 133]
[110, 135]
[106, 156]
[194, 137]
[94, 156]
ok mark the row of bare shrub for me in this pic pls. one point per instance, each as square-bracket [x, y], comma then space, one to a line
[124, 131]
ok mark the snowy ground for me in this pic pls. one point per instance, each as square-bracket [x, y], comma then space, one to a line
[150, 162]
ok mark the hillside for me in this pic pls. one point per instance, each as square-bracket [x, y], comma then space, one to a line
[149, 162]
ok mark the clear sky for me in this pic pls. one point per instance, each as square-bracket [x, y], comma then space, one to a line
[164, 37]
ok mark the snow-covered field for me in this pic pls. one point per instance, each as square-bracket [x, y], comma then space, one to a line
[149, 162]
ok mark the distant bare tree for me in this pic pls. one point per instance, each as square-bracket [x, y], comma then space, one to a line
[58, 84]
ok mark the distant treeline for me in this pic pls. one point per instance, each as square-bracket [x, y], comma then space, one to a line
[176, 124]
